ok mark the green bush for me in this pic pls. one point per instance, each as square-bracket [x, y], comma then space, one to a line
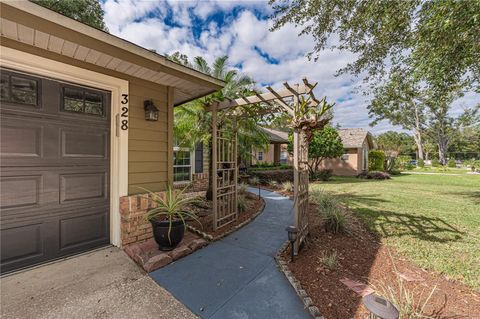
[242, 203]
[409, 166]
[321, 175]
[403, 161]
[323, 199]
[335, 219]
[376, 160]
[374, 175]
[421, 163]
[435, 163]
[451, 162]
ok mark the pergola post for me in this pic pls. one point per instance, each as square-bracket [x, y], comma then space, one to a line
[214, 166]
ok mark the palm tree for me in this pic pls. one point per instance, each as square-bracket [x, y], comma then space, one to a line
[193, 122]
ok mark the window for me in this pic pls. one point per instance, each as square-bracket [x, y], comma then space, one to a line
[344, 157]
[80, 100]
[260, 156]
[182, 166]
[283, 156]
[19, 89]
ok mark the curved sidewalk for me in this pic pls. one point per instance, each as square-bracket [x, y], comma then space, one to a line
[237, 277]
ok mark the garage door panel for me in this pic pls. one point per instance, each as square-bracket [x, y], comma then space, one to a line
[22, 244]
[20, 139]
[81, 143]
[85, 230]
[55, 170]
[83, 186]
[20, 191]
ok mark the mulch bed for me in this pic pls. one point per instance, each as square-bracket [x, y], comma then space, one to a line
[363, 259]
[203, 209]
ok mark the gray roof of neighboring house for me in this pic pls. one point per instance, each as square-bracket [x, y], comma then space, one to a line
[354, 137]
[276, 137]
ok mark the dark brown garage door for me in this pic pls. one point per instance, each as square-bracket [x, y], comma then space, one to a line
[55, 169]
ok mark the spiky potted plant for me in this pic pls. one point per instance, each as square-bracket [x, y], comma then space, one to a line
[168, 217]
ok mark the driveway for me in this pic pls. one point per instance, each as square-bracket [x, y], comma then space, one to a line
[101, 284]
[237, 277]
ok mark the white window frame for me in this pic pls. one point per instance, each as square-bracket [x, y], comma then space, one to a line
[192, 161]
[260, 156]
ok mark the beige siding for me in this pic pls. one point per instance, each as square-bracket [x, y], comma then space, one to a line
[148, 141]
[342, 167]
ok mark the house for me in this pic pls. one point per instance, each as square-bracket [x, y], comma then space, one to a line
[357, 142]
[277, 152]
[86, 120]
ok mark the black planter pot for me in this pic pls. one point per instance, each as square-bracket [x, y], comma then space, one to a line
[160, 233]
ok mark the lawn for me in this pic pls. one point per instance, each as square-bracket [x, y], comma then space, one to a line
[434, 220]
[445, 170]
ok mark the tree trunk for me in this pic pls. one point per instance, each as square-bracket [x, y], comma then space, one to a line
[418, 140]
[418, 133]
[442, 148]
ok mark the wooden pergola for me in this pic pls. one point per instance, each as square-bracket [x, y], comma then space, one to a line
[295, 101]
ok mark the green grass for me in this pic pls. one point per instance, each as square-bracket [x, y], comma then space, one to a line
[432, 219]
[448, 170]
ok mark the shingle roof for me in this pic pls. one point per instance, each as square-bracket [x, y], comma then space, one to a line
[354, 137]
[276, 137]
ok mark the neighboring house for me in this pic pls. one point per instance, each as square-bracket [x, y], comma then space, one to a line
[277, 152]
[357, 142]
[76, 145]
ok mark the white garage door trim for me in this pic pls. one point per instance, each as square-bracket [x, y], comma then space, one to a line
[33, 64]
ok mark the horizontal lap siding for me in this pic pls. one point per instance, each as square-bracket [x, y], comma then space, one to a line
[147, 140]
[148, 149]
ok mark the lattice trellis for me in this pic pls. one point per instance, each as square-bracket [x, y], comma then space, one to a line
[224, 143]
[225, 177]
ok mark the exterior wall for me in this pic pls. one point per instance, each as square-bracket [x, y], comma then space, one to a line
[268, 156]
[353, 166]
[134, 227]
[150, 143]
[341, 167]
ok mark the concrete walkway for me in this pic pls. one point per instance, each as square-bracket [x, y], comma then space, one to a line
[237, 276]
[101, 284]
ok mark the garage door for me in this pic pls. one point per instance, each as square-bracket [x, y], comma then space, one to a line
[55, 161]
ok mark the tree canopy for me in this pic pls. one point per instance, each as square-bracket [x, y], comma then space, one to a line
[417, 56]
[325, 143]
[87, 11]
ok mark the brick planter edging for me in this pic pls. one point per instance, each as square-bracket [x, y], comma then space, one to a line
[302, 294]
[234, 229]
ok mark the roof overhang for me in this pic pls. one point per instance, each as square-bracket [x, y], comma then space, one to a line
[28, 23]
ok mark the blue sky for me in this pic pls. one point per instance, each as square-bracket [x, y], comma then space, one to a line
[240, 29]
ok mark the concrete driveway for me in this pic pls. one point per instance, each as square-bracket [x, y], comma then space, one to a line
[101, 284]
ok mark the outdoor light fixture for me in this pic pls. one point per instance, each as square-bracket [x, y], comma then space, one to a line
[380, 307]
[151, 111]
[292, 237]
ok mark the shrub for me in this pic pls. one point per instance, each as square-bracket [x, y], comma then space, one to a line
[273, 183]
[330, 260]
[374, 175]
[376, 160]
[287, 186]
[254, 180]
[280, 176]
[435, 163]
[403, 161]
[421, 163]
[242, 203]
[409, 166]
[242, 188]
[451, 162]
[335, 219]
[321, 175]
[323, 199]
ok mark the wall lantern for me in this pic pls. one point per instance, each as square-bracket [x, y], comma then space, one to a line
[292, 237]
[380, 307]
[151, 111]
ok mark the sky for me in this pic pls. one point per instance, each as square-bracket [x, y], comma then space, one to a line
[240, 29]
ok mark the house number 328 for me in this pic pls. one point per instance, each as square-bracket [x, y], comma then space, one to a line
[124, 123]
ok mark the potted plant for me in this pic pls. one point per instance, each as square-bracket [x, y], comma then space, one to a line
[168, 217]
